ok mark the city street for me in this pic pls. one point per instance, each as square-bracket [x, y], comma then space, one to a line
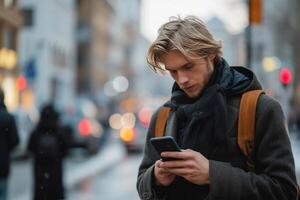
[109, 175]
[82, 81]
[115, 183]
[86, 178]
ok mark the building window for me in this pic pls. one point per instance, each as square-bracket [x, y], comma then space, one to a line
[83, 32]
[27, 17]
[8, 39]
[8, 3]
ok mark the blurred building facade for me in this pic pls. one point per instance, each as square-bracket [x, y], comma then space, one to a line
[93, 43]
[90, 48]
[144, 84]
[102, 42]
[10, 23]
[233, 44]
[275, 44]
[111, 48]
[47, 51]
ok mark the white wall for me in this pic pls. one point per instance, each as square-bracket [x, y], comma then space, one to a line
[54, 26]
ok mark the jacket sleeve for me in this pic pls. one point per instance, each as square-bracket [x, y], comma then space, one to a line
[146, 186]
[13, 136]
[274, 177]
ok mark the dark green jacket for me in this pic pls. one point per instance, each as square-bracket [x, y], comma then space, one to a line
[274, 177]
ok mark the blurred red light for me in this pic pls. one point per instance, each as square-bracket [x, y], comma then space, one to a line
[145, 115]
[285, 76]
[21, 83]
[85, 127]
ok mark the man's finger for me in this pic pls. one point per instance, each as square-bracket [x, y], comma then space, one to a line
[179, 171]
[176, 164]
[179, 155]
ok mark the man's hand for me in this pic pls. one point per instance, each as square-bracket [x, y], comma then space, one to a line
[192, 166]
[162, 176]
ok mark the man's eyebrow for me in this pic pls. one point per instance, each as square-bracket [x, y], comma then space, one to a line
[188, 64]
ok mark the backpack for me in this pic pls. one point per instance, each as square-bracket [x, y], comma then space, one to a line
[47, 147]
[246, 125]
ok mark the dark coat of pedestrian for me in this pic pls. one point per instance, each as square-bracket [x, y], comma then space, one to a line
[9, 139]
[48, 147]
[205, 102]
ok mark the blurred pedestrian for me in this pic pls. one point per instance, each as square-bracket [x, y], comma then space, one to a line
[48, 147]
[9, 139]
[205, 105]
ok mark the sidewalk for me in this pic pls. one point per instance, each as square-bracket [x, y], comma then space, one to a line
[110, 155]
[74, 172]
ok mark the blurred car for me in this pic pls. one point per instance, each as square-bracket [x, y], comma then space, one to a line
[133, 138]
[133, 134]
[86, 129]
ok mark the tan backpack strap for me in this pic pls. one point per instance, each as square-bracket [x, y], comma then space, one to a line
[246, 124]
[161, 121]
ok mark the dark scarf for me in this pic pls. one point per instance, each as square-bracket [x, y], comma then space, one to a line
[202, 121]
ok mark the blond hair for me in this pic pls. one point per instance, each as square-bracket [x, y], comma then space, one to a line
[190, 36]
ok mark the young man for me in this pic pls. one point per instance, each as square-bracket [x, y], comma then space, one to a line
[205, 102]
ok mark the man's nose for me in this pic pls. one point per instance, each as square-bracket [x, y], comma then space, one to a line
[182, 78]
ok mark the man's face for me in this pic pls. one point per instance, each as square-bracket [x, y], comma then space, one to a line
[190, 75]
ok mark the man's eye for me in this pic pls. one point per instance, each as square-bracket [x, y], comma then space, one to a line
[189, 66]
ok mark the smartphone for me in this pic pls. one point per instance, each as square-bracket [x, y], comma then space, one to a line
[165, 143]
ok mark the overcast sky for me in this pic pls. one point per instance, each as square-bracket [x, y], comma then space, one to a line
[156, 12]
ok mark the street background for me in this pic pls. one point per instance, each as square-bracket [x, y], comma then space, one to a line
[87, 57]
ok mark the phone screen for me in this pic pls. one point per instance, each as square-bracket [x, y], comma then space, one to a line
[165, 143]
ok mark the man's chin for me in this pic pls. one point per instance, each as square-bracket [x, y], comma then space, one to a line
[192, 95]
